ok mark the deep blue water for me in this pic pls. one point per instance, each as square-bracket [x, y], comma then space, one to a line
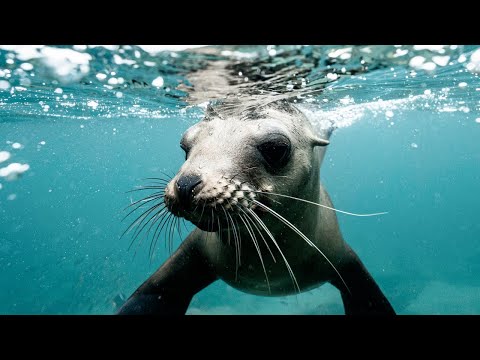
[405, 145]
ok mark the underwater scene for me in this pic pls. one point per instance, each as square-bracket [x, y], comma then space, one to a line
[91, 134]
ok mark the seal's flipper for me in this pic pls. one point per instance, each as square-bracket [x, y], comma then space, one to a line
[171, 288]
[365, 296]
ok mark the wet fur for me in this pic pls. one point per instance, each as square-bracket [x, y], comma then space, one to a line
[204, 257]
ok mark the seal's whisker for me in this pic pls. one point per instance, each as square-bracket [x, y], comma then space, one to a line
[175, 226]
[167, 175]
[290, 271]
[155, 238]
[145, 213]
[321, 205]
[179, 230]
[237, 251]
[171, 234]
[160, 227]
[142, 204]
[184, 225]
[201, 215]
[228, 223]
[167, 228]
[145, 200]
[254, 239]
[308, 241]
[153, 219]
[139, 226]
[159, 215]
[239, 243]
[219, 228]
[259, 231]
[146, 188]
[158, 179]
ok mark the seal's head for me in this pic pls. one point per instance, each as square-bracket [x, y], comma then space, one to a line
[231, 159]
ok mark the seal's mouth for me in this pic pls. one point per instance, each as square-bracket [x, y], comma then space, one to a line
[220, 207]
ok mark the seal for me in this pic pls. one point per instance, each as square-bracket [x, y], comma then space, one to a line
[250, 183]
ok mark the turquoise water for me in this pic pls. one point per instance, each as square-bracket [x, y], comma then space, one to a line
[407, 142]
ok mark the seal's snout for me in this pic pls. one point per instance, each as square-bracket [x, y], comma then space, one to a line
[185, 187]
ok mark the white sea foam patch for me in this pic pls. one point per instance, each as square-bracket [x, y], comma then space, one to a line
[13, 171]
[239, 54]
[65, 65]
[154, 49]
[4, 156]
[345, 116]
[24, 52]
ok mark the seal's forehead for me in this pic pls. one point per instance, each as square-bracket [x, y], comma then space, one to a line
[252, 110]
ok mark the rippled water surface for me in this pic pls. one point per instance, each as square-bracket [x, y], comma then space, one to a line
[81, 125]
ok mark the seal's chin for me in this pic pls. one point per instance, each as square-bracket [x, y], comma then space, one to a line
[206, 226]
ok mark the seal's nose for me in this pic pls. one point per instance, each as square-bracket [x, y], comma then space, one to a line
[185, 186]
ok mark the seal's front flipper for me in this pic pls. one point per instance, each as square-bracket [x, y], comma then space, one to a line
[364, 296]
[171, 288]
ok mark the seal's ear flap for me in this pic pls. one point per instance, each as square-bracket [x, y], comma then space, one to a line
[316, 141]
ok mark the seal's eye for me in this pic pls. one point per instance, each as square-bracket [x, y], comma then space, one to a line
[276, 150]
[186, 149]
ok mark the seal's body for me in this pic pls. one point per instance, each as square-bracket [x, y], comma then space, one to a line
[240, 186]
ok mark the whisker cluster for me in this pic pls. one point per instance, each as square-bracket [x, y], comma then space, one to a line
[156, 219]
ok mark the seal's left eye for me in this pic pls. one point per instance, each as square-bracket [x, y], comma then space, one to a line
[276, 151]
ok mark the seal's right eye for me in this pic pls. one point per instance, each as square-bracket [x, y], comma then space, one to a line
[276, 150]
[185, 148]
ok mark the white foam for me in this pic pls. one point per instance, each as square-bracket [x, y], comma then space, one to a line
[416, 61]
[345, 116]
[239, 54]
[4, 156]
[332, 76]
[12, 171]
[112, 81]
[24, 52]
[435, 48]
[66, 65]
[158, 82]
[92, 103]
[474, 64]
[441, 60]
[4, 85]
[117, 59]
[26, 66]
[339, 52]
[154, 49]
